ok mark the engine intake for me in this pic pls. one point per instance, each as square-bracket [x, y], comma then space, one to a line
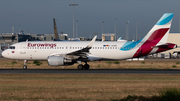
[58, 61]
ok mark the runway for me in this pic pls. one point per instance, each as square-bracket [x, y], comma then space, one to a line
[90, 71]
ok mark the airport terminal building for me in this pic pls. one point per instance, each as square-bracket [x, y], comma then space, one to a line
[14, 37]
[174, 38]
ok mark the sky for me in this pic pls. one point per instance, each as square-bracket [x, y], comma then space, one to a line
[36, 16]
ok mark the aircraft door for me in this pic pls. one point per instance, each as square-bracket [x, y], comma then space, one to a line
[23, 48]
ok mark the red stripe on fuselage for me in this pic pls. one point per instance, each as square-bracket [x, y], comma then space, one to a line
[147, 47]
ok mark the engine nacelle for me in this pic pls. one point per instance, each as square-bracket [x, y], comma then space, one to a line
[58, 61]
[55, 61]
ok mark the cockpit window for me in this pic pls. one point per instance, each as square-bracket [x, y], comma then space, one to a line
[12, 47]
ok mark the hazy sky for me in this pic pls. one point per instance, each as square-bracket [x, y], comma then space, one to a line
[36, 16]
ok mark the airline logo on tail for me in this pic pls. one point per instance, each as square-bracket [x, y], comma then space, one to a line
[158, 34]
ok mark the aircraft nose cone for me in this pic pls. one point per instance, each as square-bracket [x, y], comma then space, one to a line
[4, 54]
[0, 53]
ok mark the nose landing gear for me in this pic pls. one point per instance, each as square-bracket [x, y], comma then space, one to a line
[25, 64]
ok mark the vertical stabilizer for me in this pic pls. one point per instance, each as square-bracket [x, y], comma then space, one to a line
[159, 33]
[56, 37]
[156, 36]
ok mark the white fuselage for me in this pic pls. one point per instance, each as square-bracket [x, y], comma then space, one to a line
[37, 50]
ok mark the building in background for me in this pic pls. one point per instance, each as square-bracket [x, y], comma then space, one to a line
[14, 38]
[105, 37]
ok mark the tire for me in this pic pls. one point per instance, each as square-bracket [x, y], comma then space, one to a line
[80, 67]
[86, 66]
[24, 67]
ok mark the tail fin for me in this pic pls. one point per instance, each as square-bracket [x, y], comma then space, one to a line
[159, 33]
[56, 37]
[156, 36]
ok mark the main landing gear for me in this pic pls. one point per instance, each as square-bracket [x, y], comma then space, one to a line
[86, 66]
[25, 64]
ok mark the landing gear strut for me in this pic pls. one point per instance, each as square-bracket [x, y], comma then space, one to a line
[25, 64]
[86, 66]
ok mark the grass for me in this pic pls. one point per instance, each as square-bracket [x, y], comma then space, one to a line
[123, 64]
[82, 87]
[116, 62]
[177, 62]
[174, 66]
[143, 62]
[38, 63]
[170, 94]
[13, 62]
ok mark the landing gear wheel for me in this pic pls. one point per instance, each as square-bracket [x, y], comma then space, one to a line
[86, 66]
[24, 67]
[80, 66]
[25, 64]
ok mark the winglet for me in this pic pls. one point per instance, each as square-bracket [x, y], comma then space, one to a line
[92, 42]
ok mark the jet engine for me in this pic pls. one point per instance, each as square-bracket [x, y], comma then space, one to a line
[58, 61]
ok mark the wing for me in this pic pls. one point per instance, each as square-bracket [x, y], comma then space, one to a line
[84, 51]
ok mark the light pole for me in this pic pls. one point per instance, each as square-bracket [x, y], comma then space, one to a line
[115, 28]
[127, 29]
[136, 30]
[76, 27]
[102, 27]
[179, 25]
[73, 15]
[95, 33]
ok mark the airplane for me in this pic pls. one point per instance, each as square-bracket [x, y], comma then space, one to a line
[62, 53]
[56, 36]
